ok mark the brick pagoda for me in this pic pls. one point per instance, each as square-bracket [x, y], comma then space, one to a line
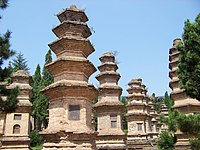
[109, 108]
[17, 124]
[137, 116]
[182, 102]
[70, 95]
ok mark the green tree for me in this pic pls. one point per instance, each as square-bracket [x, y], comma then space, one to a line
[124, 100]
[167, 138]
[189, 67]
[20, 63]
[168, 102]
[40, 101]
[190, 125]
[166, 141]
[157, 103]
[10, 104]
[36, 95]
[95, 120]
[47, 77]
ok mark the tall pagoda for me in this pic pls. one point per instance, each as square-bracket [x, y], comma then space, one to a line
[70, 95]
[182, 102]
[137, 115]
[109, 108]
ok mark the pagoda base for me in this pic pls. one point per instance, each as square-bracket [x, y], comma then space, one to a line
[137, 143]
[182, 141]
[111, 141]
[15, 143]
[69, 140]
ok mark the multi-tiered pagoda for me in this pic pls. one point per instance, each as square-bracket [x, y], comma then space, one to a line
[137, 115]
[17, 124]
[182, 102]
[109, 108]
[70, 95]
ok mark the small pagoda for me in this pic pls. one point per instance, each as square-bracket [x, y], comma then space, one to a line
[151, 120]
[137, 115]
[70, 95]
[182, 102]
[17, 124]
[109, 108]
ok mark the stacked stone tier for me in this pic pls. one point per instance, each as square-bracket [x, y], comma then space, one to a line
[72, 28]
[72, 46]
[73, 14]
[135, 96]
[108, 78]
[108, 66]
[66, 88]
[22, 80]
[71, 68]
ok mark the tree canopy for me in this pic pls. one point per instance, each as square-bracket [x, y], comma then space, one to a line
[20, 63]
[8, 99]
[189, 67]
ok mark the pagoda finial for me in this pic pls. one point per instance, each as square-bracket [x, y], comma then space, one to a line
[176, 41]
[74, 8]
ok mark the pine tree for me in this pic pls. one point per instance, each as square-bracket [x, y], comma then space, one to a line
[36, 94]
[40, 102]
[20, 63]
[10, 104]
[124, 121]
[47, 77]
[36, 82]
[189, 67]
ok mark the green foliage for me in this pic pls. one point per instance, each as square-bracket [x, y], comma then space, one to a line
[37, 147]
[40, 109]
[36, 139]
[5, 51]
[168, 102]
[189, 67]
[189, 124]
[40, 101]
[166, 141]
[36, 83]
[167, 138]
[3, 4]
[47, 78]
[171, 120]
[195, 142]
[157, 103]
[20, 63]
[124, 100]
[95, 114]
[10, 104]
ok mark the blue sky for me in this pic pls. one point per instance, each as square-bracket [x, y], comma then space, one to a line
[141, 31]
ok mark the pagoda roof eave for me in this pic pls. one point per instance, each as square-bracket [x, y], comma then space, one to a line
[87, 48]
[108, 64]
[108, 73]
[90, 67]
[67, 22]
[85, 18]
[108, 104]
